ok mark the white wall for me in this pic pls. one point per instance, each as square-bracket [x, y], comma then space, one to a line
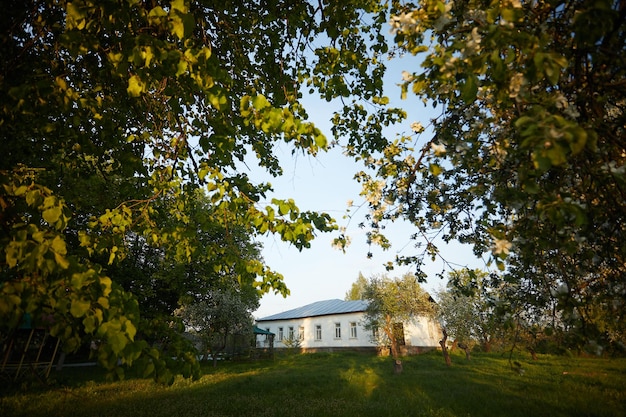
[422, 332]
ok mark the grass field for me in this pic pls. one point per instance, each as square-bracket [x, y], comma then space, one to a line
[345, 384]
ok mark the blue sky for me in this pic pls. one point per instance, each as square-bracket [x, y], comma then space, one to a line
[325, 183]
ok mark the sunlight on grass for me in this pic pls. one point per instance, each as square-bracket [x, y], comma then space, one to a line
[365, 381]
[348, 385]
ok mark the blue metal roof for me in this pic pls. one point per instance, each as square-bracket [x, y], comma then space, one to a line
[320, 308]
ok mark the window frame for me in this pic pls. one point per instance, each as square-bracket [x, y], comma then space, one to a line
[318, 332]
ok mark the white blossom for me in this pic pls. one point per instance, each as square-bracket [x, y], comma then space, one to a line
[479, 16]
[404, 22]
[341, 243]
[473, 45]
[568, 109]
[417, 127]
[560, 102]
[516, 4]
[517, 81]
[501, 246]
[571, 112]
[438, 148]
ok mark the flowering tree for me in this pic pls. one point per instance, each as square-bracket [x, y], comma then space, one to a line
[526, 157]
[393, 302]
[220, 315]
[468, 309]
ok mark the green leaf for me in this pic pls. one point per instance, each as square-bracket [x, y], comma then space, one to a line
[219, 101]
[33, 197]
[131, 330]
[156, 15]
[111, 257]
[61, 261]
[321, 141]
[283, 208]
[135, 86]
[11, 256]
[189, 24]
[89, 323]
[540, 161]
[75, 16]
[177, 27]
[259, 102]
[179, 5]
[21, 190]
[469, 89]
[58, 245]
[117, 340]
[578, 141]
[435, 169]
[148, 370]
[52, 215]
[79, 307]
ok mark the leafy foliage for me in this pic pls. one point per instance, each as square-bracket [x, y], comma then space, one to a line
[392, 302]
[526, 160]
[113, 113]
[224, 312]
[469, 309]
[357, 289]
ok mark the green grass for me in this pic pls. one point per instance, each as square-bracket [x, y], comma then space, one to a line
[346, 384]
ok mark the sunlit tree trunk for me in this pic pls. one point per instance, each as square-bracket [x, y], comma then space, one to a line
[397, 363]
[444, 348]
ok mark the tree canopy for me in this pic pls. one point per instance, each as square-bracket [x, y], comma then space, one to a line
[114, 112]
[357, 289]
[525, 159]
[394, 302]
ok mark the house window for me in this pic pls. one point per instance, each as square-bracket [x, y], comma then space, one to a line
[291, 333]
[375, 333]
[352, 330]
[337, 330]
[301, 333]
[280, 333]
[267, 335]
[318, 332]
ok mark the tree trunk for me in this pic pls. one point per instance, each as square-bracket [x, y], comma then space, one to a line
[397, 366]
[444, 348]
[388, 329]
[216, 350]
[486, 344]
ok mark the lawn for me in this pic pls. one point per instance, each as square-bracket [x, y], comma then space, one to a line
[345, 384]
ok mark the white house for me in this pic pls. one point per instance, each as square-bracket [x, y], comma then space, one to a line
[338, 324]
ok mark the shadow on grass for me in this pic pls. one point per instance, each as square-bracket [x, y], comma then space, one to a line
[350, 384]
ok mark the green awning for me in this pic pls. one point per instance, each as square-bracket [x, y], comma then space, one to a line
[258, 330]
